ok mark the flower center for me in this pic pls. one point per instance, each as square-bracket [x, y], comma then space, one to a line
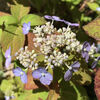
[43, 74]
[21, 73]
[70, 68]
[85, 49]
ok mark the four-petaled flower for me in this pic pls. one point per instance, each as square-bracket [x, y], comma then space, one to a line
[95, 63]
[26, 28]
[73, 68]
[85, 50]
[44, 76]
[19, 72]
[56, 18]
[8, 57]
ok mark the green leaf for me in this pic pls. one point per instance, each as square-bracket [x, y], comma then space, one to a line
[50, 70]
[92, 29]
[92, 5]
[19, 83]
[82, 76]
[8, 20]
[12, 36]
[1, 95]
[19, 10]
[7, 86]
[85, 18]
[40, 57]
[72, 91]
[0, 34]
[97, 55]
[1, 59]
[29, 95]
[75, 2]
[34, 19]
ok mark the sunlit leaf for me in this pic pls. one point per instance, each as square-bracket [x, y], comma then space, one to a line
[7, 86]
[92, 5]
[82, 76]
[1, 59]
[75, 2]
[28, 95]
[34, 19]
[12, 36]
[8, 20]
[19, 10]
[92, 29]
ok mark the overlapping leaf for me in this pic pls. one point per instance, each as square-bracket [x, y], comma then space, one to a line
[12, 36]
[8, 20]
[92, 29]
[92, 5]
[1, 59]
[72, 91]
[34, 19]
[28, 95]
[6, 86]
[19, 10]
[82, 76]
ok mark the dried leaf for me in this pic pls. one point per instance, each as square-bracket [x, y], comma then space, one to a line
[31, 46]
[97, 84]
[30, 84]
[52, 95]
[92, 29]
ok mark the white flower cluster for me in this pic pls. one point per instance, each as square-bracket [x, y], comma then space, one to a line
[55, 59]
[93, 50]
[54, 38]
[44, 29]
[27, 58]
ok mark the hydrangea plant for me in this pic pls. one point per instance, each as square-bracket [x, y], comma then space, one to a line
[54, 49]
